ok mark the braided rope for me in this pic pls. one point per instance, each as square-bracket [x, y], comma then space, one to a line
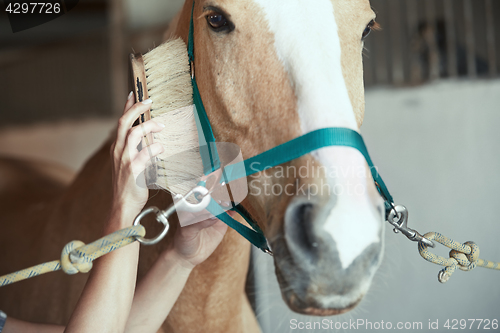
[78, 257]
[463, 256]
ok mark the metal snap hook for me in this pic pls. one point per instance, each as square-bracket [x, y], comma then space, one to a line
[160, 217]
[399, 219]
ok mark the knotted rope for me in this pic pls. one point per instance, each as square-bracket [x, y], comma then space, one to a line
[463, 256]
[78, 257]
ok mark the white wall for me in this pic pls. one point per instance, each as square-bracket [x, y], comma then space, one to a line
[436, 147]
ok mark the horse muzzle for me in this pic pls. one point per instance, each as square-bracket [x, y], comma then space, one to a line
[319, 272]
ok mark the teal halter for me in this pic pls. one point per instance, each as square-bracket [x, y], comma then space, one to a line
[286, 152]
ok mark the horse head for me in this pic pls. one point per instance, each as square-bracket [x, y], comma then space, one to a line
[270, 71]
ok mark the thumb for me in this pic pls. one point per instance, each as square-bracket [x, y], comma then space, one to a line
[192, 231]
[206, 223]
[220, 227]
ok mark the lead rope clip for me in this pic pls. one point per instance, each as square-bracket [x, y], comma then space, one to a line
[200, 193]
[398, 218]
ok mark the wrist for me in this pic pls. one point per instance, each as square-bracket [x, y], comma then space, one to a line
[120, 218]
[172, 259]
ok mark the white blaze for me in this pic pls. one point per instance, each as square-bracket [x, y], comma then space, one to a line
[308, 45]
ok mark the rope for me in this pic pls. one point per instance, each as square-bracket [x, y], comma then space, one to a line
[77, 257]
[463, 256]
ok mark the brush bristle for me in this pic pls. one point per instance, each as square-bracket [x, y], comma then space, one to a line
[169, 87]
[168, 77]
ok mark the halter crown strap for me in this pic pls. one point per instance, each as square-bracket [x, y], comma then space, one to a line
[208, 149]
[210, 158]
[288, 151]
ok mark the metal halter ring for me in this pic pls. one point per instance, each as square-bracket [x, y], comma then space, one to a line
[160, 217]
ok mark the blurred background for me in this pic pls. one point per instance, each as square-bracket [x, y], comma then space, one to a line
[432, 109]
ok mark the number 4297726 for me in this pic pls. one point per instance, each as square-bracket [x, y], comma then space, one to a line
[485, 324]
[33, 8]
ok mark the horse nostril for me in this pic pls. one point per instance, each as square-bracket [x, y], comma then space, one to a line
[299, 228]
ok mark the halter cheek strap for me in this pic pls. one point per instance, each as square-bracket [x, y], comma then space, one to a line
[286, 152]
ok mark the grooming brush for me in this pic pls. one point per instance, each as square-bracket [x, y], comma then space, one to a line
[163, 75]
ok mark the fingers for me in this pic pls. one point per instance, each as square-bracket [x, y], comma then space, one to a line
[130, 115]
[130, 102]
[196, 228]
[220, 227]
[136, 134]
[127, 120]
[128, 105]
[143, 157]
[203, 224]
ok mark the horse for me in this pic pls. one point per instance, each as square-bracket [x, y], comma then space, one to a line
[267, 72]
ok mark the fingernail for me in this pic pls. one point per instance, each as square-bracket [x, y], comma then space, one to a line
[130, 95]
[147, 101]
[161, 125]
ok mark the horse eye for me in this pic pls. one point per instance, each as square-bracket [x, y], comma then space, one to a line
[217, 22]
[368, 29]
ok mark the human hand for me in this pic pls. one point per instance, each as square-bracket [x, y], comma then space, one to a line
[130, 193]
[193, 244]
